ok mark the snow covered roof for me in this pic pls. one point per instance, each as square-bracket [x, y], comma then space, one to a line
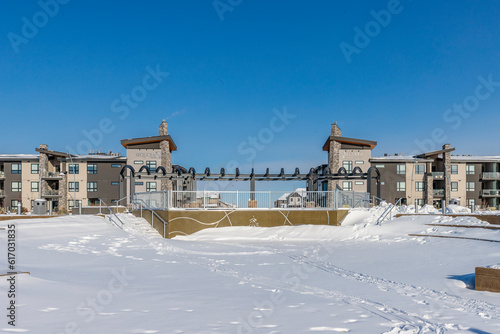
[478, 158]
[390, 158]
[10, 157]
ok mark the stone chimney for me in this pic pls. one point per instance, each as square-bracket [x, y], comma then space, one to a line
[163, 130]
[336, 130]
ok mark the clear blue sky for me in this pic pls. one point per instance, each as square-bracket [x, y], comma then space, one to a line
[227, 76]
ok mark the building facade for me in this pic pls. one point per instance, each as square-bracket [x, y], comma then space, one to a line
[60, 178]
[65, 179]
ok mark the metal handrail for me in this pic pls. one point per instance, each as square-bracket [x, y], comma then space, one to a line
[113, 213]
[153, 213]
[388, 212]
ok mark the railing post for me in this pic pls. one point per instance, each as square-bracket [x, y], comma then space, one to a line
[204, 199]
[237, 200]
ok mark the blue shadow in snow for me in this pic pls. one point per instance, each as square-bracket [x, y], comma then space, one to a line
[469, 280]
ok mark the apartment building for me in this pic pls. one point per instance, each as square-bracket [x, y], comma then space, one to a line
[472, 180]
[60, 178]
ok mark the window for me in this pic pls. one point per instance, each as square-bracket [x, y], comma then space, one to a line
[401, 169]
[116, 165]
[419, 169]
[470, 186]
[139, 183]
[380, 166]
[347, 185]
[454, 169]
[151, 165]
[401, 186]
[348, 166]
[115, 183]
[138, 162]
[14, 204]
[91, 186]
[359, 183]
[359, 162]
[150, 186]
[91, 169]
[16, 169]
[471, 169]
[35, 169]
[419, 186]
[454, 186]
[35, 187]
[71, 203]
[16, 186]
[74, 186]
[74, 169]
[420, 202]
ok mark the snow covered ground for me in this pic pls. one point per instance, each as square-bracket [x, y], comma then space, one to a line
[88, 276]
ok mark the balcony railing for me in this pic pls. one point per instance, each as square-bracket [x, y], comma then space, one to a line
[438, 175]
[52, 175]
[2, 192]
[491, 192]
[491, 175]
[2, 175]
[438, 192]
[51, 192]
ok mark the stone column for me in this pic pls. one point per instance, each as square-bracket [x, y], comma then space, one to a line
[63, 191]
[333, 161]
[447, 173]
[166, 156]
[43, 162]
[429, 183]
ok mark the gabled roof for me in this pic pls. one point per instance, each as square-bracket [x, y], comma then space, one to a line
[352, 141]
[149, 140]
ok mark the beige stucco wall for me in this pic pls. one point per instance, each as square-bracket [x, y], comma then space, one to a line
[81, 178]
[143, 155]
[356, 155]
[461, 177]
[27, 178]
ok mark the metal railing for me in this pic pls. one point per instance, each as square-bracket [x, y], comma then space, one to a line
[491, 192]
[491, 175]
[51, 192]
[139, 204]
[2, 192]
[388, 212]
[438, 192]
[2, 175]
[112, 213]
[51, 175]
[438, 175]
[233, 200]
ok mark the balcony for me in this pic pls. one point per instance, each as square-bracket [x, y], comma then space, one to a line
[438, 192]
[51, 193]
[491, 176]
[2, 175]
[51, 176]
[438, 175]
[2, 193]
[491, 192]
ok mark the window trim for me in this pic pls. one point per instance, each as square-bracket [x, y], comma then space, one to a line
[16, 171]
[93, 170]
[76, 186]
[37, 171]
[75, 167]
[91, 189]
